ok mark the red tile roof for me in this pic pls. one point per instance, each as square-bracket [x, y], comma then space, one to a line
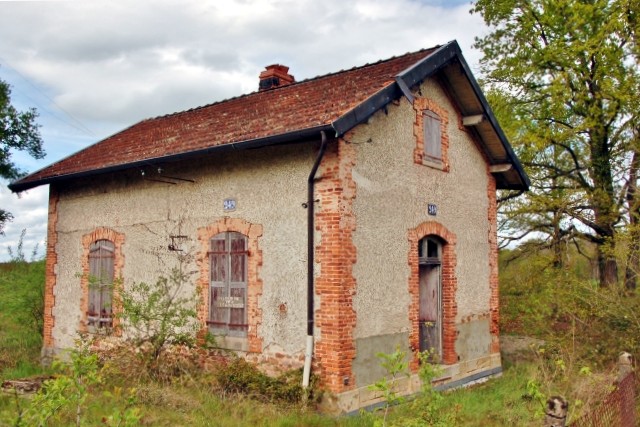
[298, 106]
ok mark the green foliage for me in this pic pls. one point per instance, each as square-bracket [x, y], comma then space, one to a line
[242, 377]
[158, 314]
[564, 82]
[584, 326]
[395, 365]
[18, 131]
[21, 316]
[501, 401]
[563, 306]
[428, 406]
[68, 390]
[64, 399]
[17, 255]
[528, 289]
[130, 415]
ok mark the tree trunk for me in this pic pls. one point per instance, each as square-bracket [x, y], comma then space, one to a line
[558, 252]
[609, 270]
[602, 195]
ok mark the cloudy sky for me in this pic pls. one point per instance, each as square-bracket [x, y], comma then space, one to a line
[92, 68]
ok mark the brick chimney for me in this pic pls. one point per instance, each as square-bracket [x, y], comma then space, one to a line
[274, 76]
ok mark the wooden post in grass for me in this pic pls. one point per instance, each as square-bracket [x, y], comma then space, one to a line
[556, 412]
[625, 365]
[627, 390]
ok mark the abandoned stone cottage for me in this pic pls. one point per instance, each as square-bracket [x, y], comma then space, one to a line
[391, 168]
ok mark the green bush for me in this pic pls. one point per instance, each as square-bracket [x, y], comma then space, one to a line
[242, 377]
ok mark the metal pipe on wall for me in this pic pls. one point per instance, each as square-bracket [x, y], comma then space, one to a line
[308, 354]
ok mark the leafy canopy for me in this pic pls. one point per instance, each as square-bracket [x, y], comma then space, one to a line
[563, 76]
[18, 131]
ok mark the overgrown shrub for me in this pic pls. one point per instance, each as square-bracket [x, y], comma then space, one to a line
[567, 309]
[242, 377]
[159, 314]
[124, 362]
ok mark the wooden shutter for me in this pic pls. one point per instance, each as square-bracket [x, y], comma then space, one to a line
[432, 135]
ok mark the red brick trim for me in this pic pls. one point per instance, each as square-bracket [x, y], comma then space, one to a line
[335, 255]
[50, 268]
[254, 284]
[449, 288]
[494, 282]
[101, 233]
[420, 105]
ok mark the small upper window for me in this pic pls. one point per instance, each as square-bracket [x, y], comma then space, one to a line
[101, 273]
[430, 251]
[432, 135]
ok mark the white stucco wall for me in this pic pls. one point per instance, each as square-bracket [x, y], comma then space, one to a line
[391, 198]
[392, 193]
[269, 185]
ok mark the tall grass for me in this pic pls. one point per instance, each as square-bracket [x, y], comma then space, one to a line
[21, 308]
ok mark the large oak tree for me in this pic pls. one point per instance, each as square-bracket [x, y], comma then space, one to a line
[564, 78]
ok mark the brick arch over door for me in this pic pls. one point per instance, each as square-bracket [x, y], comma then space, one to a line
[101, 233]
[254, 282]
[449, 285]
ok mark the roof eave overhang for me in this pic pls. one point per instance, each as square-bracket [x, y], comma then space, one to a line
[302, 135]
[409, 77]
[513, 179]
[524, 183]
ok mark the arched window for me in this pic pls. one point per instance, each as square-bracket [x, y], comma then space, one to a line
[228, 284]
[101, 274]
[430, 294]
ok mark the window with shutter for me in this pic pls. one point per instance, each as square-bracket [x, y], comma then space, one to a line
[430, 131]
[101, 274]
[228, 284]
[432, 135]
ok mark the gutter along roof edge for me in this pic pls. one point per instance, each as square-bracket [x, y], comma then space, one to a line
[289, 137]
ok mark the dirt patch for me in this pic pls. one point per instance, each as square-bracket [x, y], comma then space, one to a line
[519, 347]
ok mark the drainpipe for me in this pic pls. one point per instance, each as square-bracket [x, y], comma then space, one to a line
[308, 354]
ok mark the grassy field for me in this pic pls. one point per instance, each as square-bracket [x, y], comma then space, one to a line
[107, 394]
[21, 293]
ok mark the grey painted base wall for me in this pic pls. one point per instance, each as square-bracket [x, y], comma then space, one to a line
[453, 376]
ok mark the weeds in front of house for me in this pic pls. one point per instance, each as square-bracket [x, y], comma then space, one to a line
[159, 314]
[240, 377]
[396, 366]
[424, 409]
[584, 327]
[156, 376]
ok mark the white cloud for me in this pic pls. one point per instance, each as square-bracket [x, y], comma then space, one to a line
[109, 64]
[30, 213]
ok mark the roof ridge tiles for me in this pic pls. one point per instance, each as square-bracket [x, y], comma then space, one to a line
[289, 86]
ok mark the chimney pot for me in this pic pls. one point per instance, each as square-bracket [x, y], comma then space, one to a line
[274, 76]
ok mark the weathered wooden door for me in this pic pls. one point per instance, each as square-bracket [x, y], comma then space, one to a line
[430, 310]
